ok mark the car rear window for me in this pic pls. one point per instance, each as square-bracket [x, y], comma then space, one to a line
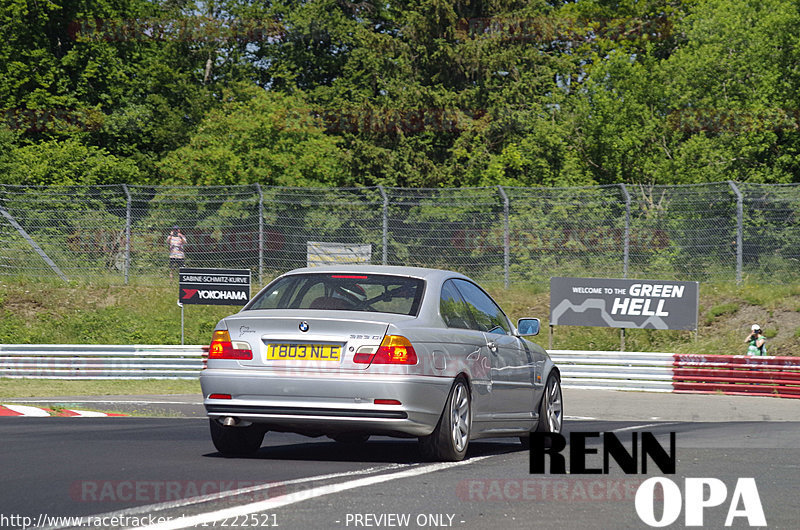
[373, 293]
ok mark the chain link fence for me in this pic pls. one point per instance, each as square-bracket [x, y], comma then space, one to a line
[721, 231]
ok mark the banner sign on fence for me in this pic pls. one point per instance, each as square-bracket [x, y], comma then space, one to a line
[320, 253]
[632, 304]
[214, 286]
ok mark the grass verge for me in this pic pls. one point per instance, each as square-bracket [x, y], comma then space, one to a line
[22, 388]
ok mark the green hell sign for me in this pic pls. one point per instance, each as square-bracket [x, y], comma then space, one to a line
[631, 304]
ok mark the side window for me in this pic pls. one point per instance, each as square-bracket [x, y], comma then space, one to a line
[452, 306]
[489, 317]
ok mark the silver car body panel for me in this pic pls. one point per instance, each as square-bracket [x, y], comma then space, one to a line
[506, 374]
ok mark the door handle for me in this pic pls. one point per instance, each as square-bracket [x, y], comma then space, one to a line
[492, 346]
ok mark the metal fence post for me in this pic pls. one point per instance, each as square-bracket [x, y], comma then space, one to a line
[127, 231]
[739, 229]
[626, 252]
[260, 234]
[506, 237]
[627, 247]
[385, 237]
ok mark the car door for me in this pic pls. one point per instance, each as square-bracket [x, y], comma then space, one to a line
[466, 342]
[511, 364]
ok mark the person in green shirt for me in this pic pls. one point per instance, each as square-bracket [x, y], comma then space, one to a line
[756, 342]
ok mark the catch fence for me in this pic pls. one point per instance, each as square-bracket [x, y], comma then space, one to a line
[721, 231]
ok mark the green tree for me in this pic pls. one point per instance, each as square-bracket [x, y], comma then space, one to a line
[67, 162]
[134, 77]
[262, 137]
[733, 92]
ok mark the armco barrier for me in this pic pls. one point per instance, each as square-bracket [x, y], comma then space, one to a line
[81, 361]
[755, 376]
[609, 370]
[667, 372]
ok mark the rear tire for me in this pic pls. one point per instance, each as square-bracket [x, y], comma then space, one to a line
[450, 439]
[236, 441]
[551, 409]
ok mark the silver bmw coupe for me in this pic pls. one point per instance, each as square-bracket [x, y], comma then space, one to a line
[354, 351]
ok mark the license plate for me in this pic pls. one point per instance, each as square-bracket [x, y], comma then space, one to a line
[304, 352]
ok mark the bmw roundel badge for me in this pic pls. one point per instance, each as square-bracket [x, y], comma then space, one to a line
[303, 326]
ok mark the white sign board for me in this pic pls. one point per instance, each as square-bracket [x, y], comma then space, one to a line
[319, 253]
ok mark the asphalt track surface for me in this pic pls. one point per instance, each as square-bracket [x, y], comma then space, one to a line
[145, 470]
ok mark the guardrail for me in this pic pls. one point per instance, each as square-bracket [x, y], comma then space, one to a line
[667, 372]
[81, 361]
[754, 376]
[610, 370]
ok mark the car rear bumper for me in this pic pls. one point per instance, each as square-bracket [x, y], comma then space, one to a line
[319, 403]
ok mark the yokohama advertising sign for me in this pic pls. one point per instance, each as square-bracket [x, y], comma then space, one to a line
[214, 286]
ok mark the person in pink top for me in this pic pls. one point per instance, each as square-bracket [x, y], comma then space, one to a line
[176, 241]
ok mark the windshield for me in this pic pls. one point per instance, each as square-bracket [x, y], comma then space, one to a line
[374, 293]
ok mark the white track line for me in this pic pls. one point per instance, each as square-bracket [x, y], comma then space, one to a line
[292, 498]
[633, 428]
[170, 505]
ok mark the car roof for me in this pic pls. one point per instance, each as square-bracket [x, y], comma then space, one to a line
[414, 272]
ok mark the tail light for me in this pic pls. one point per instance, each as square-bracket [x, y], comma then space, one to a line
[222, 348]
[394, 349]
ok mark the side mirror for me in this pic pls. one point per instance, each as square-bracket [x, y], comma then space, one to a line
[528, 326]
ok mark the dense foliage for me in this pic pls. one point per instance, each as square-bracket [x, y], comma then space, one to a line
[418, 93]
